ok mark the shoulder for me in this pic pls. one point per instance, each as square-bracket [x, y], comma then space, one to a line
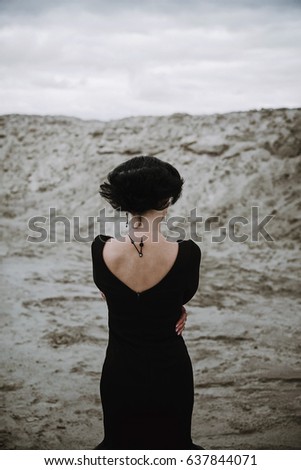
[191, 248]
[99, 240]
[190, 243]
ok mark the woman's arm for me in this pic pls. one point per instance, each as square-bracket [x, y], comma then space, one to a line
[193, 272]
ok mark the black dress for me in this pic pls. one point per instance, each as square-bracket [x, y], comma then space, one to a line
[146, 385]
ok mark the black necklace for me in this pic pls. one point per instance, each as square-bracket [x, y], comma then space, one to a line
[141, 244]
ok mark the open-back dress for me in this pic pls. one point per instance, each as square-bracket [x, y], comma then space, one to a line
[146, 386]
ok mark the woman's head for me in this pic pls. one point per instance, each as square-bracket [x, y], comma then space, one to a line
[142, 184]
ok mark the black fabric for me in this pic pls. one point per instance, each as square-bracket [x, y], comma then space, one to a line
[146, 384]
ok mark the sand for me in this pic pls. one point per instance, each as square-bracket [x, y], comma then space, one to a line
[243, 330]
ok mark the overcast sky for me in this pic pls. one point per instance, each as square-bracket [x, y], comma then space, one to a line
[107, 59]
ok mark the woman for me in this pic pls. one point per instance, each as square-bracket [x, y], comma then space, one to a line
[147, 381]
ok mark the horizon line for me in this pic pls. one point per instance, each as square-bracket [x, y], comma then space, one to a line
[170, 115]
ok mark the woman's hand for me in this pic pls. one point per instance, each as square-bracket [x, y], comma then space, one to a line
[102, 296]
[180, 326]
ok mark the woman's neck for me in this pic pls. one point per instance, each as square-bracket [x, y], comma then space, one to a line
[146, 227]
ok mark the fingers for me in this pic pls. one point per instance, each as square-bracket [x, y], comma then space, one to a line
[183, 318]
[180, 328]
[181, 322]
[180, 325]
[102, 296]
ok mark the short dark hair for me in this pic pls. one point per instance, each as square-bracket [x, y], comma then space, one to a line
[141, 184]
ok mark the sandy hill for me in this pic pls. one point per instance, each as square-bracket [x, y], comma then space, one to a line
[229, 162]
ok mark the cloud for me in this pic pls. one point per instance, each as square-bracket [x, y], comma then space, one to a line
[98, 59]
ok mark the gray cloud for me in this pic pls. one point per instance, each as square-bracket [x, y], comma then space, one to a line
[14, 10]
[36, 6]
[112, 59]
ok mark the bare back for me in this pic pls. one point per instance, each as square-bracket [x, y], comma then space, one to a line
[140, 273]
